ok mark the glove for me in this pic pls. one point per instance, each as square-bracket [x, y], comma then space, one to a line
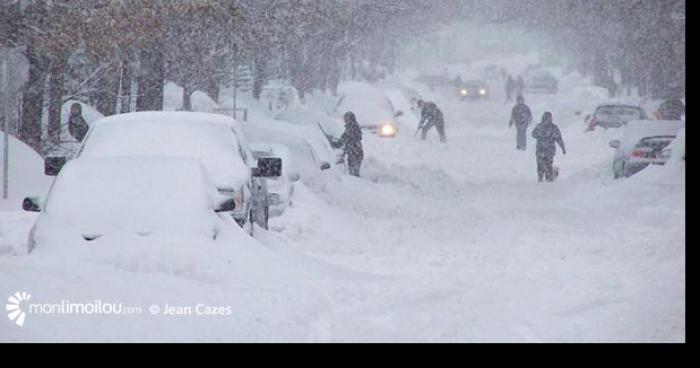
[563, 151]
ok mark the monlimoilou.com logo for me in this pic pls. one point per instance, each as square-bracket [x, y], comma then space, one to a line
[14, 309]
[17, 311]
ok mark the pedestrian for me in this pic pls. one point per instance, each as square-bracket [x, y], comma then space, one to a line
[77, 127]
[547, 134]
[351, 142]
[510, 88]
[431, 116]
[521, 116]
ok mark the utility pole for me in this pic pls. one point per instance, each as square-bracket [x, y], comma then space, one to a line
[5, 128]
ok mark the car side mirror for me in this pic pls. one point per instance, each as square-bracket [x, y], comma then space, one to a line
[294, 176]
[226, 206]
[615, 143]
[268, 167]
[53, 165]
[325, 166]
[31, 204]
[398, 113]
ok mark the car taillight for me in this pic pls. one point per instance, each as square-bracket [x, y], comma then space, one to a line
[640, 152]
[238, 199]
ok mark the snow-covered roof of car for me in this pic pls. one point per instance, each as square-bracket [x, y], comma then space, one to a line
[131, 194]
[169, 116]
[211, 138]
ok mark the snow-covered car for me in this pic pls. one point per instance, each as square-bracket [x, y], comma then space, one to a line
[473, 89]
[214, 139]
[280, 188]
[309, 151]
[372, 108]
[614, 116]
[541, 81]
[125, 199]
[643, 143]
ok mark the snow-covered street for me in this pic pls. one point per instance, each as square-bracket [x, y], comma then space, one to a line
[285, 171]
[453, 242]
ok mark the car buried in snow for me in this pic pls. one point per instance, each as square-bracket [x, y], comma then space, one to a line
[127, 199]
[614, 116]
[643, 143]
[280, 188]
[214, 139]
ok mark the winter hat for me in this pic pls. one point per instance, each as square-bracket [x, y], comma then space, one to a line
[547, 117]
[349, 117]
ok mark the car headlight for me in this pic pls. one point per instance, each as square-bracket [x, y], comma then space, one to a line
[482, 91]
[464, 92]
[387, 130]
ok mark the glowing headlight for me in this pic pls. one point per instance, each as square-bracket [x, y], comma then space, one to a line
[482, 91]
[464, 92]
[387, 129]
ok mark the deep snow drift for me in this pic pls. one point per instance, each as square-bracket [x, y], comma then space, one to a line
[435, 242]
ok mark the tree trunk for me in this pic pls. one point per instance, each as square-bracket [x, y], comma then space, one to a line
[33, 99]
[57, 69]
[260, 75]
[213, 90]
[125, 87]
[151, 81]
[108, 90]
[187, 92]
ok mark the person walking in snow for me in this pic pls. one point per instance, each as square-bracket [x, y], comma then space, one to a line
[547, 134]
[510, 88]
[77, 127]
[521, 116]
[351, 142]
[430, 115]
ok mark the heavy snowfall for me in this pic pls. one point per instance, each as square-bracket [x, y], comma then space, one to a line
[187, 171]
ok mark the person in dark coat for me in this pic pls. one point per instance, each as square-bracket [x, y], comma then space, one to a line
[351, 142]
[430, 115]
[673, 108]
[521, 116]
[520, 86]
[77, 127]
[547, 134]
[510, 88]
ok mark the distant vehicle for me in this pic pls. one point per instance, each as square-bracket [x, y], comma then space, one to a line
[541, 81]
[473, 89]
[280, 188]
[127, 198]
[643, 143]
[614, 116]
[214, 139]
